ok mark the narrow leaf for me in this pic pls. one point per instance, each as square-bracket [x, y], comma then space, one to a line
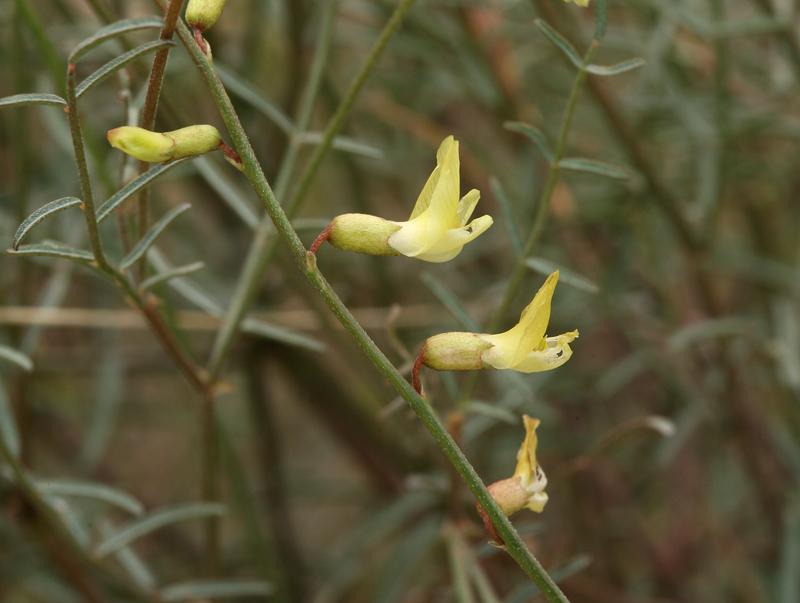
[450, 302]
[594, 167]
[137, 529]
[601, 19]
[157, 279]
[566, 276]
[230, 192]
[248, 93]
[107, 494]
[16, 357]
[19, 100]
[116, 64]
[508, 215]
[492, 411]
[8, 426]
[151, 235]
[55, 250]
[342, 143]
[112, 31]
[214, 589]
[559, 40]
[40, 214]
[134, 187]
[535, 134]
[281, 334]
[622, 67]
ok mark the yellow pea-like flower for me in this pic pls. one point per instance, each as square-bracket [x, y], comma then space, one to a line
[156, 147]
[524, 348]
[524, 489]
[437, 229]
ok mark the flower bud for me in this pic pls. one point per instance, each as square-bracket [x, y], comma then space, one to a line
[362, 233]
[202, 14]
[157, 147]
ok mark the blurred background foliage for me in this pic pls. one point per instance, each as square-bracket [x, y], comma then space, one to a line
[672, 436]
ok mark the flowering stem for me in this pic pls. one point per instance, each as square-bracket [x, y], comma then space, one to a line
[307, 263]
[264, 246]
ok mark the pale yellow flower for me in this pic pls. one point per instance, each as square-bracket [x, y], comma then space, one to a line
[157, 147]
[524, 489]
[437, 229]
[524, 348]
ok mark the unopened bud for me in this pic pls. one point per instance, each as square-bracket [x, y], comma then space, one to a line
[362, 233]
[202, 14]
[455, 352]
[167, 146]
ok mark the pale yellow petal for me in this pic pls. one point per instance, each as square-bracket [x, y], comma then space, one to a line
[556, 353]
[412, 238]
[443, 210]
[526, 457]
[534, 319]
[451, 243]
[467, 205]
[424, 199]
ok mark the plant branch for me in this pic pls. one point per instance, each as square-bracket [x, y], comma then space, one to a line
[307, 263]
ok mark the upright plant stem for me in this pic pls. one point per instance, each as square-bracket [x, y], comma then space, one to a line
[307, 263]
[264, 246]
[149, 111]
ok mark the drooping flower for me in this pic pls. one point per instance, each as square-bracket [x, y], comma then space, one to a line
[437, 229]
[157, 147]
[524, 489]
[524, 348]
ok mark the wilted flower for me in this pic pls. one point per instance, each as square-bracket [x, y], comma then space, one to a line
[436, 230]
[167, 146]
[524, 348]
[523, 490]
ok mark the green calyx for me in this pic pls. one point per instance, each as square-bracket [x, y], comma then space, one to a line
[363, 234]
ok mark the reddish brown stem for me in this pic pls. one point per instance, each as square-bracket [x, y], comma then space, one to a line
[230, 153]
[490, 526]
[324, 236]
[416, 370]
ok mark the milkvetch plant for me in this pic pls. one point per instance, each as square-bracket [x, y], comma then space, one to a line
[164, 146]
[524, 489]
[524, 348]
[437, 229]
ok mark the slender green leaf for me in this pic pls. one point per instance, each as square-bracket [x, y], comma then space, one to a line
[40, 214]
[114, 65]
[281, 334]
[450, 302]
[342, 143]
[159, 519]
[508, 215]
[594, 167]
[215, 589]
[55, 250]
[535, 134]
[230, 192]
[157, 279]
[8, 425]
[493, 411]
[600, 19]
[559, 40]
[112, 31]
[16, 357]
[129, 560]
[622, 67]
[728, 326]
[134, 187]
[248, 93]
[19, 100]
[101, 492]
[151, 235]
[566, 276]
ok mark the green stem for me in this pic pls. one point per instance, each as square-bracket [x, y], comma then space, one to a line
[539, 220]
[149, 113]
[263, 247]
[83, 173]
[307, 263]
[544, 200]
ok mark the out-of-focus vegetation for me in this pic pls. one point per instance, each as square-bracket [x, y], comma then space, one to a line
[671, 438]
